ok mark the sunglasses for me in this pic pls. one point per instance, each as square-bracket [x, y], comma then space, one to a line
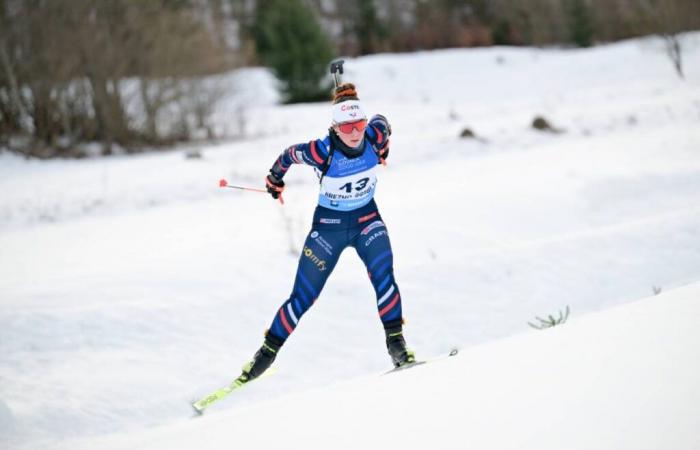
[346, 128]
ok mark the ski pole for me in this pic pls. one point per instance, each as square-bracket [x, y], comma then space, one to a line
[224, 184]
[337, 71]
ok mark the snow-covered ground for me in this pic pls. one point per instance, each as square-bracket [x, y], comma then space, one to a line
[623, 378]
[131, 285]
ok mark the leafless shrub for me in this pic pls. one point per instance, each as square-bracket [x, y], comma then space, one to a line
[67, 68]
[668, 19]
[550, 321]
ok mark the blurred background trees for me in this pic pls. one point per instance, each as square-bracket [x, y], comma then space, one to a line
[138, 73]
[85, 70]
[290, 41]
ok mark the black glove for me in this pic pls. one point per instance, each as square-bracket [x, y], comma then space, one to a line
[383, 120]
[275, 186]
[384, 153]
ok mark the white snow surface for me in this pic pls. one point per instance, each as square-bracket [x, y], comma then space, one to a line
[617, 379]
[132, 285]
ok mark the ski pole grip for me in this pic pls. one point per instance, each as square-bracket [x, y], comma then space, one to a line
[337, 71]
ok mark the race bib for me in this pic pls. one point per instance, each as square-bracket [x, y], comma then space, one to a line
[348, 192]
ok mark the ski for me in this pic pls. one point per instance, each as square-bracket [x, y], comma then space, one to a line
[200, 405]
[452, 352]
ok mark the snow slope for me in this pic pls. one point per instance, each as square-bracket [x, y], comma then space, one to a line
[624, 378]
[130, 285]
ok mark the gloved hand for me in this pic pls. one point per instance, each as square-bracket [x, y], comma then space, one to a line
[383, 154]
[383, 121]
[275, 186]
[383, 150]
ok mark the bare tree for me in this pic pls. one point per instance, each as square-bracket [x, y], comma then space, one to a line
[67, 68]
[668, 19]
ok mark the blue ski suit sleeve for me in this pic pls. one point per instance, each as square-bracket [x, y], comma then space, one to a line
[378, 131]
[313, 154]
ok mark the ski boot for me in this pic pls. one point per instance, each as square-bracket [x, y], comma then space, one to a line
[396, 345]
[262, 359]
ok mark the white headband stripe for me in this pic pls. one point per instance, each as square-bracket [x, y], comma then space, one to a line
[348, 111]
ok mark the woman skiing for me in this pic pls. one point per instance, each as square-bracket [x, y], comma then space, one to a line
[346, 216]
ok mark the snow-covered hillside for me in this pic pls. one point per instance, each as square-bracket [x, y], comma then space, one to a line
[625, 378]
[130, 285]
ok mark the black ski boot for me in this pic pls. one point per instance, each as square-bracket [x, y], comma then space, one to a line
[262, 359]
[396, 344]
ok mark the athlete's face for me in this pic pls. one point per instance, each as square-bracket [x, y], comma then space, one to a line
[351, 133]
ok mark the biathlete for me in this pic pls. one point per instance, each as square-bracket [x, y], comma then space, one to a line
[346, 216]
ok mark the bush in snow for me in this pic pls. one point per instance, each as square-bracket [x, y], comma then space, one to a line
[541, 124]
[550, 321]
[467, 133]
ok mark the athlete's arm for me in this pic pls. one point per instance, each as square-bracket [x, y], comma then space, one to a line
[313, 154]
[378, 132]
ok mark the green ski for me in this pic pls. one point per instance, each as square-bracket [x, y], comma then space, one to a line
[200, 405]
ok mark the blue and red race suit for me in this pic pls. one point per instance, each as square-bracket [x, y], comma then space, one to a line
[346, 216]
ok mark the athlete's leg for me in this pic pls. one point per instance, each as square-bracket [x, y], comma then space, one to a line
[374, 248]
[319, 256]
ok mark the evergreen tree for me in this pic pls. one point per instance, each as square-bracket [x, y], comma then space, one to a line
[580, 22]
[291, 42]
[369, 30]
